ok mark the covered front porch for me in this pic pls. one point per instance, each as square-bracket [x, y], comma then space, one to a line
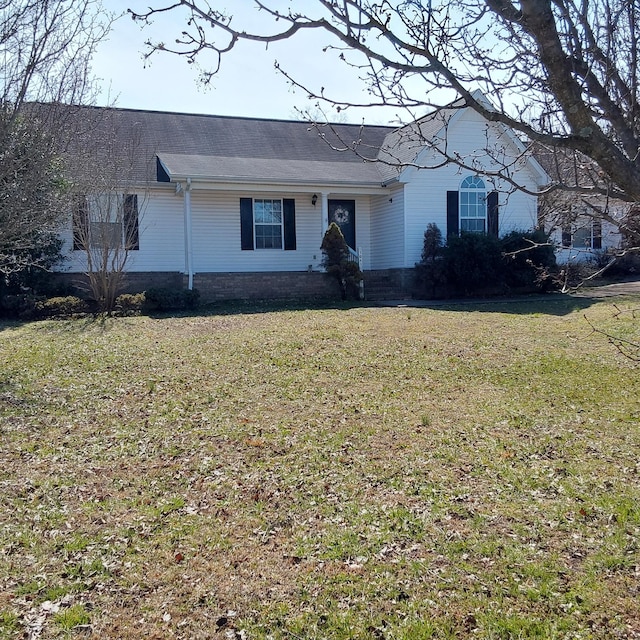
[242, 225]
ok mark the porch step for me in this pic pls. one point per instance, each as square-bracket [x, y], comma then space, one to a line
[384, 285]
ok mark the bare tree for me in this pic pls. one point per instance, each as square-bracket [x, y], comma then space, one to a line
[45, 50]
[108, 200]
[563, 74]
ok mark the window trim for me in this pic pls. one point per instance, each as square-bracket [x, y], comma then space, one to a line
[247, 223]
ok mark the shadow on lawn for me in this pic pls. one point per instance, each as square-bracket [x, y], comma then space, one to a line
[553, 304]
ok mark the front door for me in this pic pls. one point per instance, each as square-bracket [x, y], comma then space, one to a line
[343, 213]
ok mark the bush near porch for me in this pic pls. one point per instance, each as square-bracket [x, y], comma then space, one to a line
[474, 264]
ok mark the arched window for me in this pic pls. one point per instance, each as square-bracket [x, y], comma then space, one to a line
[473, 205]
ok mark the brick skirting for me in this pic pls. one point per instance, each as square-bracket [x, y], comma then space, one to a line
[292, 285]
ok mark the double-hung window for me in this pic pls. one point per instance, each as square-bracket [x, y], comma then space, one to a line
[107, 222]
[473, 205]
[267, 219]
[267, 223]
[584, 234]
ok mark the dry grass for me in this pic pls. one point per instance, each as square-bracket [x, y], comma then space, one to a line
[351, 473]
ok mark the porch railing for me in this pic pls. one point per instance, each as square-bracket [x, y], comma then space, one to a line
[356, 256]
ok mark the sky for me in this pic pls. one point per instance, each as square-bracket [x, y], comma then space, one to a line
[248, 84]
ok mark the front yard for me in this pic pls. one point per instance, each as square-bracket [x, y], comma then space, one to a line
[347, 473]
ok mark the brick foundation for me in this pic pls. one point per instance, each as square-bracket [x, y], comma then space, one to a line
[292, 285]
[135, 282]
[271, 285]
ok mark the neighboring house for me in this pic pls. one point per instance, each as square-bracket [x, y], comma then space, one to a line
[582, 225]
[580, 233]
[237, 207]
[585, 237]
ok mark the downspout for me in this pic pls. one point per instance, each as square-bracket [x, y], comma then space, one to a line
[188, 236]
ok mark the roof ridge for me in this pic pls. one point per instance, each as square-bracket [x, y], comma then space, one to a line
[229, 117]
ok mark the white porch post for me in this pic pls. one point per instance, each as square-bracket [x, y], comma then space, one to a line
[324, 211]
[188, 235]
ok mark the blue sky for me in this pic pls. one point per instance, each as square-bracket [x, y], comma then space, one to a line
[248, 84]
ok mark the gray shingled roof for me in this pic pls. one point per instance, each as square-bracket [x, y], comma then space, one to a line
[252, 149]
[263, 170]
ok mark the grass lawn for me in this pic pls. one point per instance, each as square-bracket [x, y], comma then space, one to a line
[460, 472]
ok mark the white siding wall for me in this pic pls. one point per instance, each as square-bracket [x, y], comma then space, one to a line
[216, 234]
[161, 225]
[387, 230]
[426, 190]
[363, 228]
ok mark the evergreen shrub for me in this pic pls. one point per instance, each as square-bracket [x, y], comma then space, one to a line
[430, 275]
[337, 262]
[530, 260]
[473, 264]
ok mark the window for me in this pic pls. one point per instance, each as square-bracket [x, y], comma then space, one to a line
[80, 223]
[267, 223]
[473, 205]
[267, 218]
[585, 234]
[105, 235]
[106, 222]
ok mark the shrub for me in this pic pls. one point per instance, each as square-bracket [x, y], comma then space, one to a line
[167, 299]
[22, 306]
[430, 275]
[338, 264]
[626, 265]
[36, 276]
[473, 264]
[61, 306]
[130, 303]
[25, 306]
[530, 260]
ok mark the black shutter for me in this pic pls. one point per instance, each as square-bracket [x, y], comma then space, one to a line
[289, 219]
[492, 214]
[130, 218]
[566, 236]
[80, 224]
[453, 223]
[597, 233]
[246, 224]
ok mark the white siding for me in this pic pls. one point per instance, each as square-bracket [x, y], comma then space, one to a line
[161, 228]
[387, 230]
[426, 189]
[363, 228]
[216, 235]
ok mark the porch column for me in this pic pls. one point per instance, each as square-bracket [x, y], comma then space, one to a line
[324, 211]
[188, 236]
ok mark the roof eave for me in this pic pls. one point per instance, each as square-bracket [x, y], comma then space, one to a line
[244, 180]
